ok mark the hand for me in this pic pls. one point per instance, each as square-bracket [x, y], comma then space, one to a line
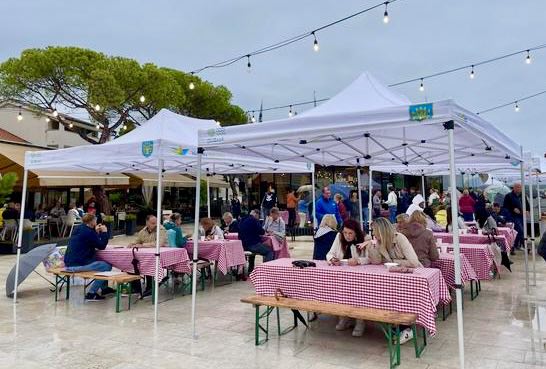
[517, 211]
[335, 261]
[353, 262]
[362, 246]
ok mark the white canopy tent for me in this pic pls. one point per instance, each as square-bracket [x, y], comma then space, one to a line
[167, 143]
[375, 126]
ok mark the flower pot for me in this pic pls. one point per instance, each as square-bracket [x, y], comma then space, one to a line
[109, 227]
[130, 227]
[27, 242]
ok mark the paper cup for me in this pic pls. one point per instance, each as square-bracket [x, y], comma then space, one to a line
[480, 232]
[202, 238]
[443, 248]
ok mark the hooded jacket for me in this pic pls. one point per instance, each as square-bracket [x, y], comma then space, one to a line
[423, 242]
[415, 204]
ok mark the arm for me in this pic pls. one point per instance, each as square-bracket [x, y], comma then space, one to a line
[433, 253]
[374, 255]
[410, 258]
[98, 240]
[335, 250]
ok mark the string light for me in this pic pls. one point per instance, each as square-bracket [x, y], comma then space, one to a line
[422, 86]
[472, 73]
[98, 126]
[290, 113]
[70, 125]
[97, 107]
[516, 108]
[47, 119]
[124, 127]
[55, 113]
[386, 14]
[528, 58]
[315, 43]
[20, 116]
[512, 102]
[253, 118]
[191, 85]
[248, 65]
[142, 99]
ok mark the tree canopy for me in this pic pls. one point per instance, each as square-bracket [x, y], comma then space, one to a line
[116, 92]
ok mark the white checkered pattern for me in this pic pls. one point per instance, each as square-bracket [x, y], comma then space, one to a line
[478, 239]
[480, 258]
[226, 253]
[280, 248]
[175, 259]
[367, 285]
[446, 263]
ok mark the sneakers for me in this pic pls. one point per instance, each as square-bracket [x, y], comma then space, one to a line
[93, 297]
[359, 328]
[107, 291]
[406, 335]
[344, 323]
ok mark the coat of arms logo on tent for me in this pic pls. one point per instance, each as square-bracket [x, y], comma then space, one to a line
[420, 112]
[147, 148]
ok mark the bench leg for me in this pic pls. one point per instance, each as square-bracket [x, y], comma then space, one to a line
[419, 348]
[67, 287]
[392, 334]
[474, 289]
[259, 327]
[118, 296]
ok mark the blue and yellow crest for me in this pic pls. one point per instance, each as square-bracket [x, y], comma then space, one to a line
[420, 112]
[147, 148]
[181, 151]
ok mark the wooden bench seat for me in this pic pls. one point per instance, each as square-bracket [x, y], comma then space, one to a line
[389, 321]
[62, 277]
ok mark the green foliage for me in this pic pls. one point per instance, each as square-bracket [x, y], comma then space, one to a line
[79, 78]
[130, 216]
[115, 197]
[108, 219]
[203, 193]
[7, 182]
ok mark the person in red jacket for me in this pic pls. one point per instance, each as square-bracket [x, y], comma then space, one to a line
[466, 206]
[341, 207]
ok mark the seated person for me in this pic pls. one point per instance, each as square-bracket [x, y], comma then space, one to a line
[421, 238]
[230, 224]
[325, 236]
[210, 230]
[73, 214]
[460, 221]
[274, 225]
[173, 226]
[250, 233]
[441, 216]
[347, 246]
[401, 221]
[80, 254]
[497, 214]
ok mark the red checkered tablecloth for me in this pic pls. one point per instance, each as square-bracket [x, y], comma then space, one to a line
[232, 236]
[366, 285]
[480, 258]
[175, 259]
[284, 215]
[446, 263]
[471, 238]
[509, 233]
[226, 253]
[280, 248]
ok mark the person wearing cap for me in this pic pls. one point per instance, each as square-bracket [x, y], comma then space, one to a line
[417, 204]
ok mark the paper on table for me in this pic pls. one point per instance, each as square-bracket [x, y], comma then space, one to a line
[109, 274]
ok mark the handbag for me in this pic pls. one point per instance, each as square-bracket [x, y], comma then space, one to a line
[303, 264]
[136, 286]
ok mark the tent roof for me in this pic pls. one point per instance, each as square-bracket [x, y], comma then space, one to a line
[167, 136]
[364, 93]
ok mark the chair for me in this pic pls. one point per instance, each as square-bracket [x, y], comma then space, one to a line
[10, 225]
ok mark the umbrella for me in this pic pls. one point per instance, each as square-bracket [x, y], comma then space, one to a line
[305, 188]
[495, 189]
[27, 264]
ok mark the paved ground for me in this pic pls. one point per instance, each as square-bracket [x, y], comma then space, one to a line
[504, 328]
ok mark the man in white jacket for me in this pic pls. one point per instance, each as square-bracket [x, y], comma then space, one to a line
[417, 204]
[392, 203]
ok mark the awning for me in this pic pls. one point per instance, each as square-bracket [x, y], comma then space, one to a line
[172, 180]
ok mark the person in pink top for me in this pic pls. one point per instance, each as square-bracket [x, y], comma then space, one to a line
[466, 206]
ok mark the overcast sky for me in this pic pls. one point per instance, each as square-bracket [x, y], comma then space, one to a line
[423, 36]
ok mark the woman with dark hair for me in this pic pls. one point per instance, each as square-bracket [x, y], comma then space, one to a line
[460, 221]
[346, 247]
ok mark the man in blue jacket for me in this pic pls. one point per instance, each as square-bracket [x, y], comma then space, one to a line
[325, 205]
[250, 233]
[80, 255]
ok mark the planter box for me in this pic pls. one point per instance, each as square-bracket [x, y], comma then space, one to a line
[110, 227]
[130, 227]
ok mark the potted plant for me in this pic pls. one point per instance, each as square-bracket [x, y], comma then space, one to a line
[130, 224]
[108, 221]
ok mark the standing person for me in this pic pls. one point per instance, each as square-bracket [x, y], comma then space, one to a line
[355, 208]
[325, 236]
[412, 193]
[325, 205]
[513, 205]
[343, 213]
[80, 254]
[291, 205]
[269, 201]
[404, 201]
[480, 208]
[302, 211]
[433, 197]
[417, 204]
[365, 199]
[466, 206]
[250, 233]
[376, 203]
[235, 207]
[392, 203]
[91, 206]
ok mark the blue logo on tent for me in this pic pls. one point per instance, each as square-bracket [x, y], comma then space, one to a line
[420, 112]
[147, 148]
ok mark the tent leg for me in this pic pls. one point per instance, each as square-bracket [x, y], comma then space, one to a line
[208, 197]
[424, 192]
[456, 250]
[531, 206]
[524, 206]
[315, 225]
[20, 232]
[196, 240]
[359, 198]
[370, 205]
[538, 201]
[157, 237]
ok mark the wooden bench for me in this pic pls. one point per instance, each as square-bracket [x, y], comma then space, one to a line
[389, 321]
[63, 277]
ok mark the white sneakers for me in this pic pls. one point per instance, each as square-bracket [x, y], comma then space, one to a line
[406, 335]
[345, 323]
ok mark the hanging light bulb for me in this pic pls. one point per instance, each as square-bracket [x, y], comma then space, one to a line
[516, 107]
[253, 118]
[191, 86]
[248, 65]
[124, 127]
[142, 99]
[422, 86]
[315, 43]
[97, 107]
[528, 58]
[47, 119]
[98, 126]
[55, 113]
[20, 117]
[70, 125]
[290, 113]
[472, 73]
[386, 13]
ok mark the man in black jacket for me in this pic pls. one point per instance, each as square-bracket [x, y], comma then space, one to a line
[80, 255]
[230, 224]
[250, 233]
[513, 206]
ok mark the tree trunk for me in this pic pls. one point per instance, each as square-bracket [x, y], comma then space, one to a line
[102, 200]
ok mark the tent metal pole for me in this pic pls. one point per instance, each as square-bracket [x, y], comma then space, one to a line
[538, 200]
[455, 227]
[20, 233]
[208, 197]
[157, 236]
[195, 240]
[315, 225]
[370, 205]
[359, 197]
[423, 186]
[531, 205]
[523, 207]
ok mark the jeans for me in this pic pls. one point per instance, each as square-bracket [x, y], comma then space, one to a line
[468, 217]
[259, 249]
[518, 227]
[291, 217]
[392, 213]
[365, 218]
[96, 266]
